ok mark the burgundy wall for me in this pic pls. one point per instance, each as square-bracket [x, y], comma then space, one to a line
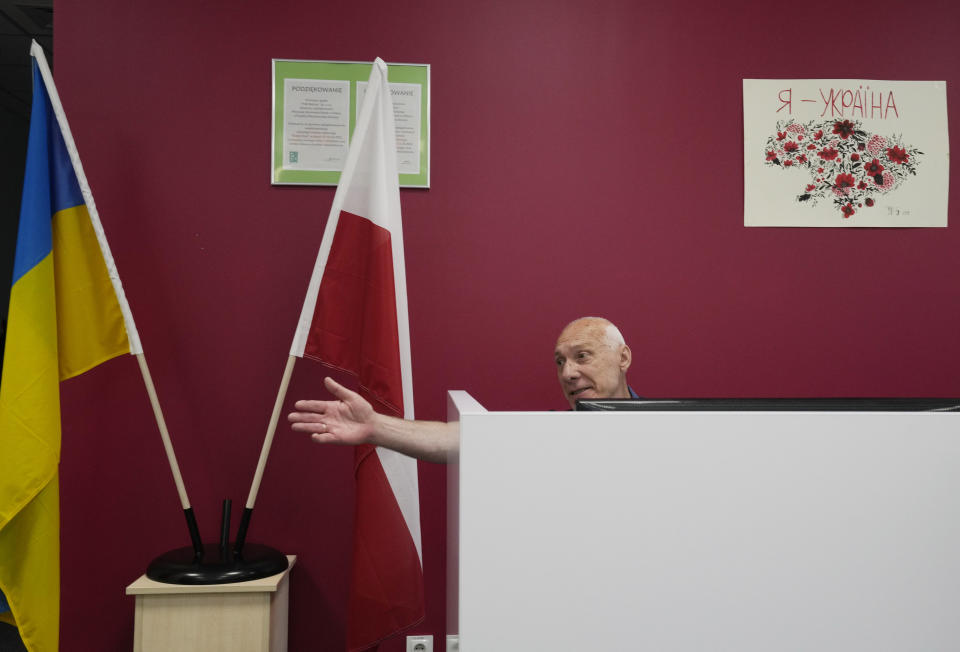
[586, 160]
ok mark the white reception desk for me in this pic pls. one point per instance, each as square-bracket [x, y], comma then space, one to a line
[692, 531]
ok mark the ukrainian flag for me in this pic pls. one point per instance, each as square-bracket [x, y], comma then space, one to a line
[67, 315]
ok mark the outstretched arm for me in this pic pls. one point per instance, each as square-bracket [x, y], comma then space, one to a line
[351, 420]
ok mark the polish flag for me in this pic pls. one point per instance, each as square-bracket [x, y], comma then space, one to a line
[355, 319]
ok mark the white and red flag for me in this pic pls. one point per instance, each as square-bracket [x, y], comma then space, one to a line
[355, 319]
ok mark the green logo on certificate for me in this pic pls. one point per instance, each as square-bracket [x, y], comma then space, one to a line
[294, 157]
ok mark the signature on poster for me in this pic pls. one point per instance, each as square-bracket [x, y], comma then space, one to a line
[846, 164]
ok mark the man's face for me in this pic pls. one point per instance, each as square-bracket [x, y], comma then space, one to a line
[589, 365]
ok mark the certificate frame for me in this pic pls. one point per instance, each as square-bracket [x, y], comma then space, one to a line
[351, 72]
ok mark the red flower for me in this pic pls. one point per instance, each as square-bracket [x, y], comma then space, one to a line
[845, 181]
[876, 144]
[873, 168]
[861, 186]
[790, 146]
[799, 137]
[844, 129]
[868, 201]
[811, 146]
[810, 187]
[862, 146]
[886, 180]
[771, 156]
[781, 135]
[827, 153]
[897, 155]
[819, 169]
[818, 135]
[847, 210]
[787, 163]
[802, 158]
[854, 157]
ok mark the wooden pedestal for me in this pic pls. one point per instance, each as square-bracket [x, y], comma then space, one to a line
[240, 617]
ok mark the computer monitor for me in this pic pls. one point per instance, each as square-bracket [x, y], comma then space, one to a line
[770, 405]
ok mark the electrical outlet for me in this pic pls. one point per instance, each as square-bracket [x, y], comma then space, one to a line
[453, 643]
[420, 643]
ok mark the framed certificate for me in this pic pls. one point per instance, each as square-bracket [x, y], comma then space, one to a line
[315, 108]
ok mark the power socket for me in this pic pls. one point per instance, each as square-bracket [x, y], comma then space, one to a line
[420, 643]
[453, 643]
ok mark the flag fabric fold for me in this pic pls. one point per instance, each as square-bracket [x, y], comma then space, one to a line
[67, 314]
[355, 319]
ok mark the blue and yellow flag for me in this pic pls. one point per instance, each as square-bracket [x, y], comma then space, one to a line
[65, 318]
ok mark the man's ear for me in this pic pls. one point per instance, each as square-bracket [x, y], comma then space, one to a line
[626, 357]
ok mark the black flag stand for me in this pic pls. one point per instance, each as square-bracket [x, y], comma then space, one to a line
[217, 563]
[202, 563]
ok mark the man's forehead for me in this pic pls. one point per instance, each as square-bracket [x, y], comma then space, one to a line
[578, 336]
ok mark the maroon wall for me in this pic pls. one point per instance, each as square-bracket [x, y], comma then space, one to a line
[587, 159]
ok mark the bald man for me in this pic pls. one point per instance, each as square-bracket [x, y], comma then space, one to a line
[592, 361]
[591, 358]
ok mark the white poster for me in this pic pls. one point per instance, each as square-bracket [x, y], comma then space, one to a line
[315, 124]
[844, 152]
[406, 116]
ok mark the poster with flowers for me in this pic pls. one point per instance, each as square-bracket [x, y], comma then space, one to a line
[845, 153]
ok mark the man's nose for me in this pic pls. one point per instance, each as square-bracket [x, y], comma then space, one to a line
[570, 370]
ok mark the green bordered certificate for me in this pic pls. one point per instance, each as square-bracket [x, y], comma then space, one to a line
[315, 108]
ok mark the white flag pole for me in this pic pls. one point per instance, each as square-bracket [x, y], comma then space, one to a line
[133, 337]
[264, 453]
[306, 314]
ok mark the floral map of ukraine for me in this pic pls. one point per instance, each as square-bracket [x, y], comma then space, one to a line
[846, 164]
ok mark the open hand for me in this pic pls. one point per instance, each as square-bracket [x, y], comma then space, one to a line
[347, 420]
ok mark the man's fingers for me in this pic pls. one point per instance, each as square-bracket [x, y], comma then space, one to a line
[311, 406]
[339, 390]
[313, 428]
[305, 417]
